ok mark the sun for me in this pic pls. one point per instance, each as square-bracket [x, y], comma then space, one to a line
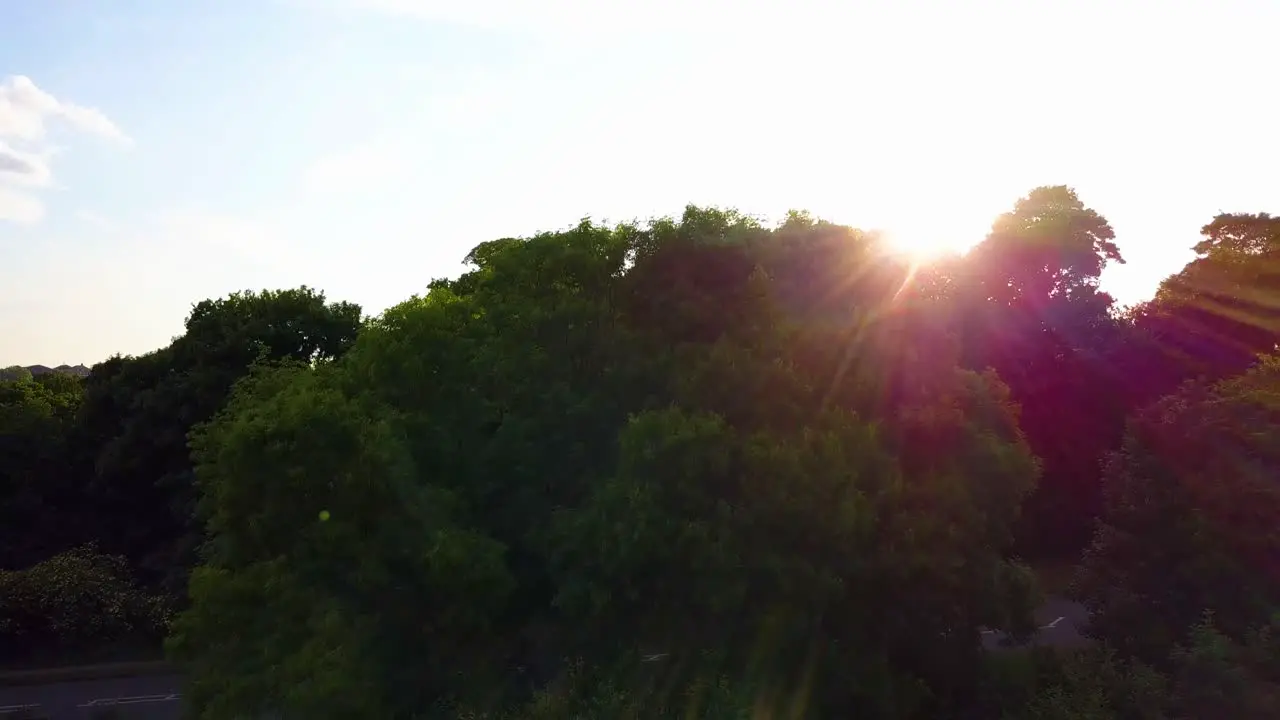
[923, 233]
[926, 242]
[919, 247]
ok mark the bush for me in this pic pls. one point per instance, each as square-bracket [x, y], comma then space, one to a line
[585, 694]
[78, 599]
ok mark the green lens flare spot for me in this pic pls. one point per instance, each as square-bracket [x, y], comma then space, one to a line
[324, 515]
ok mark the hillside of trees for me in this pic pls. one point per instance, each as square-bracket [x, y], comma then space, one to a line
[18, 372]
[694, 468]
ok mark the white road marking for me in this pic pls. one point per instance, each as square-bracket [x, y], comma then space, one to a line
[16, 708]
[131, 700]
[1050, 626]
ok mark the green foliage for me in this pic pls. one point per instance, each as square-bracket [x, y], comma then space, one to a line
[1191, 517]
[1096, 685]
[37, 483]
[1219, 312]
[1205, 676]
[138, 412]
[579, 698]
[729, 470]
[601, 443]
[1026, 304]
[582, 694]
[15, 373]
[74, 600]
[328, 609]
[1050, 245]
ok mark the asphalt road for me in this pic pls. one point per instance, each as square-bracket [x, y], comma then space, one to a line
[159, 697]
[153, 697]
[1060, 621]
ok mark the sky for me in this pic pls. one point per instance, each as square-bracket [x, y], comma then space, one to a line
[155, 153]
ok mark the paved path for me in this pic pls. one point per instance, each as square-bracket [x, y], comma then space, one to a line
[153, 697]
[1061, 624]
[159, 697]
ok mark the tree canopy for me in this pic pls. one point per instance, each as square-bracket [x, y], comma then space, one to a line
[695, 467]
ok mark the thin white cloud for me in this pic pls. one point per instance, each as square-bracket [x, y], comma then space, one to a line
[26, 111]
[26, 114]
[23, 168]
[19, 173]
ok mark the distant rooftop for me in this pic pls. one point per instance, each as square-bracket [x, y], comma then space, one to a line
[78, 370]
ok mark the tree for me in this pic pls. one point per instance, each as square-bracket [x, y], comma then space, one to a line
[75, 601]
[608, 441]
[1190, 519]
[1206, 676]
[40, 506]
[353, 590]
[138, 412]
[695, 467]
[1027, 304]
[15, 373]
[1049, 246]
[1221, 311]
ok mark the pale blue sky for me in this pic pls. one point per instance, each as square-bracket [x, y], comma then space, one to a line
[154, 153]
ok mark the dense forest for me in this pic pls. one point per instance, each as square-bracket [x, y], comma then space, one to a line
[693, 468]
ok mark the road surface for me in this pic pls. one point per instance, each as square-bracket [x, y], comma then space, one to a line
[1061, 624]
[148, 697]
[159, 697]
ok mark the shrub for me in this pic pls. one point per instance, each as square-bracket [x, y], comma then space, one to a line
[80, 598]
